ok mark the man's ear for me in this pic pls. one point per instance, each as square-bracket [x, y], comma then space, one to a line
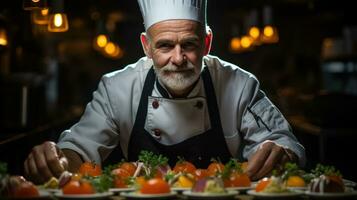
[208, 42]
[145, 43]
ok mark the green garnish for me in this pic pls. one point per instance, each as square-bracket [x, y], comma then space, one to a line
[326, 170]
[230, 166]
[152, 162]
[101, 183]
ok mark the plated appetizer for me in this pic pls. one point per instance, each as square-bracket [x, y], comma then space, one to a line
[15, 186]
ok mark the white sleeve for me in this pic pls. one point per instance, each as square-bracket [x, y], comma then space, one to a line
[263, 121]
[96, 133]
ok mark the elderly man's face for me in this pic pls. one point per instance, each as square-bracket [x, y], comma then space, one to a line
[177, 48]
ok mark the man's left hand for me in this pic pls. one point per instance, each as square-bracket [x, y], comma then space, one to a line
[268, 157]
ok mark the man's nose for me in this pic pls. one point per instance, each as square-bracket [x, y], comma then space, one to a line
[178, 56]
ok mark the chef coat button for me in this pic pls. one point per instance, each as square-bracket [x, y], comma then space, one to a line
[199, 104]
[155, 104]
[157, 133]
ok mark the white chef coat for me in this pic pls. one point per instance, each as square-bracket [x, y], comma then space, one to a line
[109, 118]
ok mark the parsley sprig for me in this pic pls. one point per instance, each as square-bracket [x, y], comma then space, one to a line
[231, 166]
[326, 170]
[151, 162]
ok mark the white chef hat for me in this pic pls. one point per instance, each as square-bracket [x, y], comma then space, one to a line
[154, 11]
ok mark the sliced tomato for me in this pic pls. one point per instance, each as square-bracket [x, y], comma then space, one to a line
[26, 189]
[184, 166]
[155, 186]
[90, 169]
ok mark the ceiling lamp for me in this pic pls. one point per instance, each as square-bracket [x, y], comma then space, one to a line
[270, 32]
[40, 16]
[58, 21]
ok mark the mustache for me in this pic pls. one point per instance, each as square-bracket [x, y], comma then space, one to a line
[174, 68]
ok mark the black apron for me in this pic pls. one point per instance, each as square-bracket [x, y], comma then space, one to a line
[199, 149]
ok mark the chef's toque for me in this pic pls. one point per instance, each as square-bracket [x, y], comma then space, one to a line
[154, 11]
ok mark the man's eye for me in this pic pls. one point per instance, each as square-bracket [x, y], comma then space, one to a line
[189, 46]
[164, 46]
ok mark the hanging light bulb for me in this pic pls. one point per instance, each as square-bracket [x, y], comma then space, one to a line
[3, 37]
[58, 21]
[102, 38]
[235, 44]
[40, 16]
[270, 32]
[34, 4]
[253, 30]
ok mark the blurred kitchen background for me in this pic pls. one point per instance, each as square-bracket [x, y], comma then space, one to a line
[304, 52]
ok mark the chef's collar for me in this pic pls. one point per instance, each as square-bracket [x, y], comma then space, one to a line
[161, 89]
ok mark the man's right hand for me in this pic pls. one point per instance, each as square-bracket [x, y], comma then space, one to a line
[45, 161]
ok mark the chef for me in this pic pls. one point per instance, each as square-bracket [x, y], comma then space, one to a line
[177, 101]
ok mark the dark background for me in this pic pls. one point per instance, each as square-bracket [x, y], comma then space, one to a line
[61, 70]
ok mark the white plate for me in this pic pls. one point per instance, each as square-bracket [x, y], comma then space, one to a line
[274, 195]
[102, 195]
[331, 195]
[50, 190]
[241, 189]
[205, 195]
[298, 188]
[119, 190]
[349, 183]
[137, 195]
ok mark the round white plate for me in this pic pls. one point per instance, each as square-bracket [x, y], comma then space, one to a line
[349, 183]
[274, 195]
[205, 195]
[50, 190]
[241, 189]
[102, 195]
[331, 195]
[119, 190]
[298, 188]
[137, 195]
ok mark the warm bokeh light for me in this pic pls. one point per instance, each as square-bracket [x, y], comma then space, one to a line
[268, 31]
[58, 23]
[246, 41]
[270, 34]
[102, 40]
[3, 37]
[40, 16]
[109, 48]
[235, 44]
[35, 1]
[254, 32]
[44, 12]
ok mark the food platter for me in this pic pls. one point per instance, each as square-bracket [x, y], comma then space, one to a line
[282, 195]
[95, 196]
[137, 195]
[203, 195]
[241, 189]
[119, 190]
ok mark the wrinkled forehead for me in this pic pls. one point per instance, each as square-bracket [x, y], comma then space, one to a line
[176, 27]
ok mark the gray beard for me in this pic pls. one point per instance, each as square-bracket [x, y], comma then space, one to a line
[178, 78]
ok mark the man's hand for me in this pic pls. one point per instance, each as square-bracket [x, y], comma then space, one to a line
[45, 161]
[268, 157]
